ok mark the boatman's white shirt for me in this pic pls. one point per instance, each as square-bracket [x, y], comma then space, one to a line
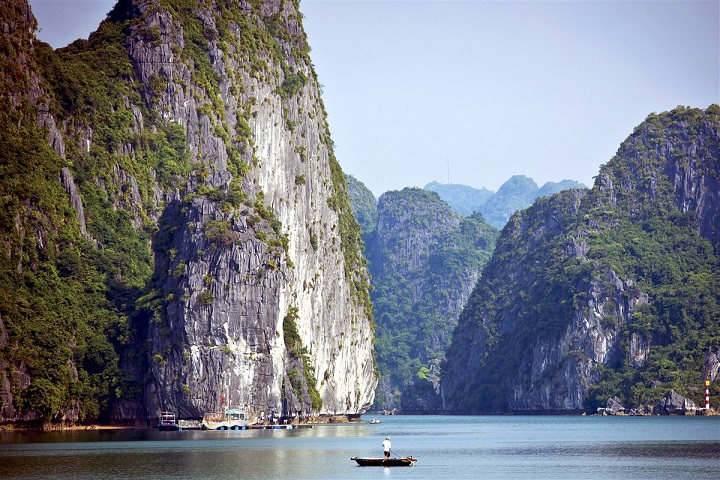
[386, 445]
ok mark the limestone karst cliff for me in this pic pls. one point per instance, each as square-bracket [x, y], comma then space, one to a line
[176, 230]
[610, 292]
[424, 259]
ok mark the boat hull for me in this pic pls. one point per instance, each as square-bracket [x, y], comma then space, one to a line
[229, 420]
[384, 462]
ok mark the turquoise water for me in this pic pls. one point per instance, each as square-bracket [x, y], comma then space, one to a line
[487, 447]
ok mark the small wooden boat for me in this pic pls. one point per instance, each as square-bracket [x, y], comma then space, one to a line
[385, 462]
[374, 421]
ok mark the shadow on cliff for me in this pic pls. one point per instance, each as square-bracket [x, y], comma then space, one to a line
[141, 304]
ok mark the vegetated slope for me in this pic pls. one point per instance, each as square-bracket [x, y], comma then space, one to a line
[497, 207]
[363, 203]
[424, 259]
[176, 230]
[612, 291]
[515, 194]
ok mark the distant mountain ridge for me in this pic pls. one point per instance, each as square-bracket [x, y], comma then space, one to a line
[517, 193]
[462, 198]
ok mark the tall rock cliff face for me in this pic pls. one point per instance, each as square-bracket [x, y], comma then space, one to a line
[201, 190]
[424, 259]
[609, 292]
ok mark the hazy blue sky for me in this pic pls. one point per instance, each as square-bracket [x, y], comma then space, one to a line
[548, 89]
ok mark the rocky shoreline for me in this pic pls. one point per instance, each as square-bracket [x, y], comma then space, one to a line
[671, 404]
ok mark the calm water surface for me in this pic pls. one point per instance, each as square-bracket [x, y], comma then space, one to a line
[448, 447]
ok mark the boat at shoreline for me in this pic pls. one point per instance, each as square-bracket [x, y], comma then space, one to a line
[384, 462]
[233, 419]
[167, 422]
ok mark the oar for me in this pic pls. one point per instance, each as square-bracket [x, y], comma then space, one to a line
[397, 453]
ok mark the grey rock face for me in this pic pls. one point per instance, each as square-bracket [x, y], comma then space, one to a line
[68, 182]
[252, 236]
[561, 369]
[45, 119]
[559, 323]
[674, 404]
[711, 367]
[639, 349]
[232, 282]
[694, 191]
[424, 259]
[614, 405]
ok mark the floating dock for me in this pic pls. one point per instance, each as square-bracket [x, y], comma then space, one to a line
[189, 425]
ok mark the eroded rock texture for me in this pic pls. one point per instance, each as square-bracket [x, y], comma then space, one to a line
[197, 133]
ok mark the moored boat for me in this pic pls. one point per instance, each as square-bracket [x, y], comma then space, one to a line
[384, 462]
[229, 420]
[167, 422]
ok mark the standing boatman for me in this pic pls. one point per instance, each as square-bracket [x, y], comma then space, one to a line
[386, 447]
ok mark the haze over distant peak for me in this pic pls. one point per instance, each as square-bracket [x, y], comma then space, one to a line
[517, 193]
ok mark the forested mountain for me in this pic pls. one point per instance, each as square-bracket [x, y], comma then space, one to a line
[497, 207]
[424, 259]
[176, 232]
[609, 292]
[515, 194]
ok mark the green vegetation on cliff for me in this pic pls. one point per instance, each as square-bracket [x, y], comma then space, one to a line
[79, 282]
[424, 259]
[55, 319]
[295, 348]
[364, 204]
[67, 304]
[654, 236]
[614, 292]
[351, 241]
